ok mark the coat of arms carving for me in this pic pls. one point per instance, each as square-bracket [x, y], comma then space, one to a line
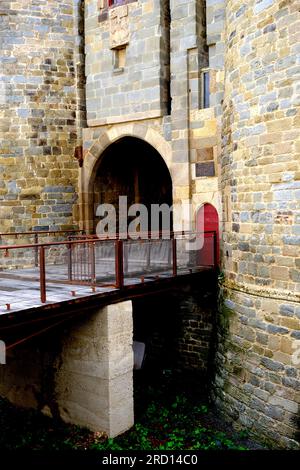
[119, 26]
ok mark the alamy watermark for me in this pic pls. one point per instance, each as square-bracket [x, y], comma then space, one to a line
[2, 353]
[153, 222]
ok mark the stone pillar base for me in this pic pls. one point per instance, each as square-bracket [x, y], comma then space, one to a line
[83, 375]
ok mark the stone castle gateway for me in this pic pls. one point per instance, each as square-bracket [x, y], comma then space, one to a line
[205, 95]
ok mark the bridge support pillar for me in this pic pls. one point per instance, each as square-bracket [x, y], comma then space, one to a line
[94, 385]
[82, 373]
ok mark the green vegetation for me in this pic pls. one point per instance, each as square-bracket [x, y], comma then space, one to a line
[174, 427]
[167, 418]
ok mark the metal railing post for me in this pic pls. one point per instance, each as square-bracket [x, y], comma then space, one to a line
[125, 258]
[70, 270]
[174, 255]
[36, 256]
[119, 264]
[148, 251]
[93, 263]
[42, 274]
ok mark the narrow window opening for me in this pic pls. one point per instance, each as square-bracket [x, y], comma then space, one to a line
[119, 59]
[166, 58]
[115, 2]
[205, 89]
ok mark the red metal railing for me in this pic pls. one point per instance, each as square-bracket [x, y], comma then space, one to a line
[117, 262]
[37, 235]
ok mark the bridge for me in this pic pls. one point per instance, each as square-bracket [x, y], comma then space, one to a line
[77, 279]
[42, 274]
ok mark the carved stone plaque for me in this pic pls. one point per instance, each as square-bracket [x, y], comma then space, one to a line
[119, 26]
[205, 169]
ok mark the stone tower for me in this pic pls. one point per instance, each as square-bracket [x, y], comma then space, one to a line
[41, 112]
[259, 378]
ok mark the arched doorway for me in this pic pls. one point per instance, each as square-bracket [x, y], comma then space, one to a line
[133, 168]
[207, 221]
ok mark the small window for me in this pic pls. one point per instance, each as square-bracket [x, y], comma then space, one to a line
[115, 2]
[111, 3]
[119, 59]
[205, 89]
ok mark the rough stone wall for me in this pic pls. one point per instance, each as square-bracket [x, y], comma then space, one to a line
[178, 327]
[137, 88]
[98, 139]
[196, 309]
[42, 111]
[205, 124]
[252, 49]
[215, 20]
[114, 96]
[257, 380]
[187, 57]
[259, 377]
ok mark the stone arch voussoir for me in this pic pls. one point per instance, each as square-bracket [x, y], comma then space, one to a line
[94, 153]
[139, 131]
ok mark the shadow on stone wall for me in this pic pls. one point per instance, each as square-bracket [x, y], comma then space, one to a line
[178, 329]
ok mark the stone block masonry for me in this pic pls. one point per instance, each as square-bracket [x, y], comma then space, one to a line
[178, 328]
[258, 383]
[41, 113]
[259, 375]
[249, 137]
[82, 374]
[94, 385]
[137, 54]
[137, 88]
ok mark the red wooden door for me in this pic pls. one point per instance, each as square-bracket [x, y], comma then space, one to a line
[208, 221]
